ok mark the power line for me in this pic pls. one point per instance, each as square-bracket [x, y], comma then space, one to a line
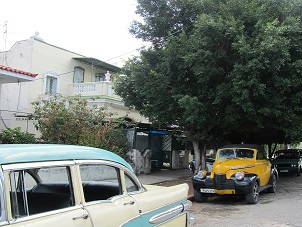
[137, 49]
[62, 74]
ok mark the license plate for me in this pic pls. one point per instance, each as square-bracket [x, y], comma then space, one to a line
[205, 190]
[284, 171]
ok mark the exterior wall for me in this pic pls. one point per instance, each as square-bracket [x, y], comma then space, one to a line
[45, 59]
[15, 96]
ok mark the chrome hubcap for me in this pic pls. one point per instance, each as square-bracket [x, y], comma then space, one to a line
[255, 192]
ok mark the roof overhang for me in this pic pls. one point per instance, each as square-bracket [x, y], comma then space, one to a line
[98, 63]
[13, 77]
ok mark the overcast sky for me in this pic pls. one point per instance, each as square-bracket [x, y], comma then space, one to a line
[95, 28]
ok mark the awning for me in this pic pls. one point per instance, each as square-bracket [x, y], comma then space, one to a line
[12, 75]
[97, 62]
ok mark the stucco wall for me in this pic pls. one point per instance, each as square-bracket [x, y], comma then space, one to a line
[45, 59]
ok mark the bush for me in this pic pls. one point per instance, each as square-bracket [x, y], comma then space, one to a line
[16, 136]
[70, 120]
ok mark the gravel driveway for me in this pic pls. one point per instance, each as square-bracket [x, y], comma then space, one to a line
[281, 209]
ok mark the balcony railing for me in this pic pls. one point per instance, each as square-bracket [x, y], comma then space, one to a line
[94, 89]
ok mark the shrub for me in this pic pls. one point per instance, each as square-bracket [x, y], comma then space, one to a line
[70, 120]
[16, 136]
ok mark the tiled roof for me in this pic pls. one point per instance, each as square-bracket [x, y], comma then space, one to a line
[3, 67]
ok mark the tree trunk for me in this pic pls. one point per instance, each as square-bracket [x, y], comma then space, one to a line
[196, 154]
[203, 158]
[269, 150]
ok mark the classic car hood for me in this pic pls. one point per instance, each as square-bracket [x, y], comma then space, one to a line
[223, 165]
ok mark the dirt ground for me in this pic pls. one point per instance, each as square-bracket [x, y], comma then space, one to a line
[281, 209]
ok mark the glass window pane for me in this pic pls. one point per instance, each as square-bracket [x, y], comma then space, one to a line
[51, 85]
[78, 75]
[42, 190]
[100, 182]
[99, 77]
[29, 181]
[131, 186]
[54, 174]
[18, 205]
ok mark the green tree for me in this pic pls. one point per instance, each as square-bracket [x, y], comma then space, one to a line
[234, 77]
[72, 121]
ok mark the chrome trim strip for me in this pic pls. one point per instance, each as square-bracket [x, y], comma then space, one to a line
[145, 213]
[166, 215]
[34, 165]
[3, 218]
[242, 167]
[24, 192]
[187, 205]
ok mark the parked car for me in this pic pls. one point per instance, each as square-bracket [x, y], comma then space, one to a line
[288, 161]
[63, 185]
[209, 165]
[237, 170]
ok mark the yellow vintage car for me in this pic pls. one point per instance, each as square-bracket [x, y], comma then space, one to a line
[75, 186]
[238, 169]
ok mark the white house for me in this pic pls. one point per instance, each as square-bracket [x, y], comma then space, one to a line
[10, 75]
[60, 71]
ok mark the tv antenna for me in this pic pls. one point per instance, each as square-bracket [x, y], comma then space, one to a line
[4, 34]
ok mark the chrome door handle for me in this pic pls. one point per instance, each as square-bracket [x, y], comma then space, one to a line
[84, 216]
[129, 203]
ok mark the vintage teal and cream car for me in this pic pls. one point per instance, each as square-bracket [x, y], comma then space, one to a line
[63, 185]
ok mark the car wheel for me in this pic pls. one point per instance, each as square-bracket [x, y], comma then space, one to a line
[198, 196]
[253, 196]
[299, 171]
[273, 188]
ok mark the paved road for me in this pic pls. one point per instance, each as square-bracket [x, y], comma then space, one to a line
[281, 209]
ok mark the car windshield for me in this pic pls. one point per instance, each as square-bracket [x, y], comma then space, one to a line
[287, 155]
[235, 153]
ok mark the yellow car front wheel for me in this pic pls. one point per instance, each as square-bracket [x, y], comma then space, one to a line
[253, 196]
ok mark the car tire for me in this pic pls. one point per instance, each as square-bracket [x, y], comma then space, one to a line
[273, 188]
[253, 196]
[198, 196]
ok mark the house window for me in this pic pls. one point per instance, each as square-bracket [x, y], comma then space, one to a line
[78, 76]
[100, 77]
[51, 85]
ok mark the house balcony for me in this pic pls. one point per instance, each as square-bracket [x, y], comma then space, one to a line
[95, 90]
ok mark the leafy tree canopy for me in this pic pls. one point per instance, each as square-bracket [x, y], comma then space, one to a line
[233, 74]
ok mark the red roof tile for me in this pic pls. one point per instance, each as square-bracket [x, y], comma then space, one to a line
[3, 67]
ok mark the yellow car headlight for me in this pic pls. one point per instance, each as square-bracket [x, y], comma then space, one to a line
[201, 174]
[239, 176]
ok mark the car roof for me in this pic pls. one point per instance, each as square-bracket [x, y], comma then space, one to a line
[289, 150]
[248, 146]
[21, 153]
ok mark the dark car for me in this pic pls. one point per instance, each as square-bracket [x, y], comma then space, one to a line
[288, 161]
